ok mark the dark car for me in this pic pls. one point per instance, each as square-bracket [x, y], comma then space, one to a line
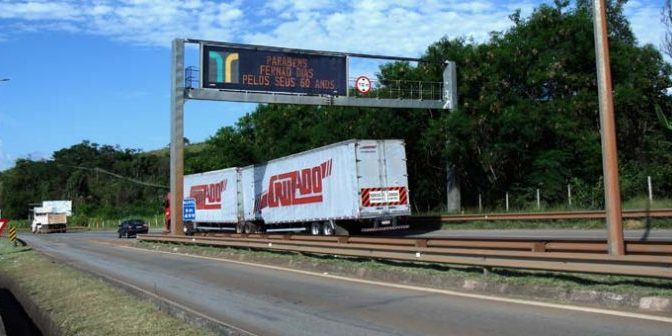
[132, 227]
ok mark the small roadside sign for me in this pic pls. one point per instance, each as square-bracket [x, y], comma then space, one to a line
[363, 84]
[189, 209]
[3, 224]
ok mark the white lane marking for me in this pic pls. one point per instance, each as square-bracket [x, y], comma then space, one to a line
[430, 290]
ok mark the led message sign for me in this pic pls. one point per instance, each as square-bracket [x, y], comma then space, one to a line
[272, 71]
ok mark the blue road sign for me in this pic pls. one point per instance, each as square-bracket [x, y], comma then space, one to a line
[189, 209]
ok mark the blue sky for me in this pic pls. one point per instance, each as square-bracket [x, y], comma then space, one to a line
[98, 70]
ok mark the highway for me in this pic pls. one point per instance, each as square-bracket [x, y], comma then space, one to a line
[273, 302]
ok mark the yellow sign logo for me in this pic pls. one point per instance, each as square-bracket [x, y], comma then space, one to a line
[223, 66]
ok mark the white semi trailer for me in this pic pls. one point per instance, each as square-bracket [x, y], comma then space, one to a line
[347, 187]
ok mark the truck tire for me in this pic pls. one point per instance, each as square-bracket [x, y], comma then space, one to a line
[315, 228]
[248, 228]
[239, 227]
[328, 228]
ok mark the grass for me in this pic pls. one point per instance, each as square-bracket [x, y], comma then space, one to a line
[95, 224]
[154, 222]
[636, 203]
[81, 304]
[628, 224]
[434, 273]
[643, 203]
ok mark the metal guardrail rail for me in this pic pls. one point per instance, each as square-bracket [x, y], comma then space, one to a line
[649, 259]
[553, 215]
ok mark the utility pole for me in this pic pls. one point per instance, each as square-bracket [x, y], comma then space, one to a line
[612, 193]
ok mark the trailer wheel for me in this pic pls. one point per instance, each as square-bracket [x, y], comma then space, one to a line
[248, 228]
[315, 228]
[328, 228]
[239, 228]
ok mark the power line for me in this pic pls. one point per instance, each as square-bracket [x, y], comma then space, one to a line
[101, 170]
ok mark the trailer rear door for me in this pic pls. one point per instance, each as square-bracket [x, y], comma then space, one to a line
[382, 178]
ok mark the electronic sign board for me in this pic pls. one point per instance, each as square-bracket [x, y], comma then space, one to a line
[239, 69]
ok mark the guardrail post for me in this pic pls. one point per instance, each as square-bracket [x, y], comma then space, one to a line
[539, 247]
[507, 202]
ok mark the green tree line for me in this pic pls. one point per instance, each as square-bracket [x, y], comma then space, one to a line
[527, 118]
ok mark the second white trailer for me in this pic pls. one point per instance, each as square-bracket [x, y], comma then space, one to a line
[217, 199]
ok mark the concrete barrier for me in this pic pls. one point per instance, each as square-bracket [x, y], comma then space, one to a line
[2, 328]
[41, 318]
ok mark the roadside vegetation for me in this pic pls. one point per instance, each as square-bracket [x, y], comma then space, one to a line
[80, 304]
[526, 120]
[628, 224]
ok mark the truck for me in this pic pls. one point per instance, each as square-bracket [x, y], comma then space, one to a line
[344, 188]
[51, 216]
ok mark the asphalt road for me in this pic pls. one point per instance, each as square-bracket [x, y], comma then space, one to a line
[273, 302]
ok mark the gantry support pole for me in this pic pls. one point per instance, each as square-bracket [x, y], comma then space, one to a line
[177, 138]
[612, 193]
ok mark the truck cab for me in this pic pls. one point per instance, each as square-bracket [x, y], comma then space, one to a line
[45, 220]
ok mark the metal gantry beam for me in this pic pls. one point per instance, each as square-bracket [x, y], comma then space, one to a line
[177, 137]
[277, 98]
[612, 193]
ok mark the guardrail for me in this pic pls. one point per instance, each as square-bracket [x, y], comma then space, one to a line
[649, 259]
[552, 215]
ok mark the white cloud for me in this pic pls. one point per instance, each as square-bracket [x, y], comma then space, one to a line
[404, 27]
[384, 27]
[645, 21]
[142, 22]
[39, 10]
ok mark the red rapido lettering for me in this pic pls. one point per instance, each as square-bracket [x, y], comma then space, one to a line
[302, 186]
[208, 196]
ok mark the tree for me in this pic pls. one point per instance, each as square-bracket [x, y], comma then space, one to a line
[528, 106]
[666, 18]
